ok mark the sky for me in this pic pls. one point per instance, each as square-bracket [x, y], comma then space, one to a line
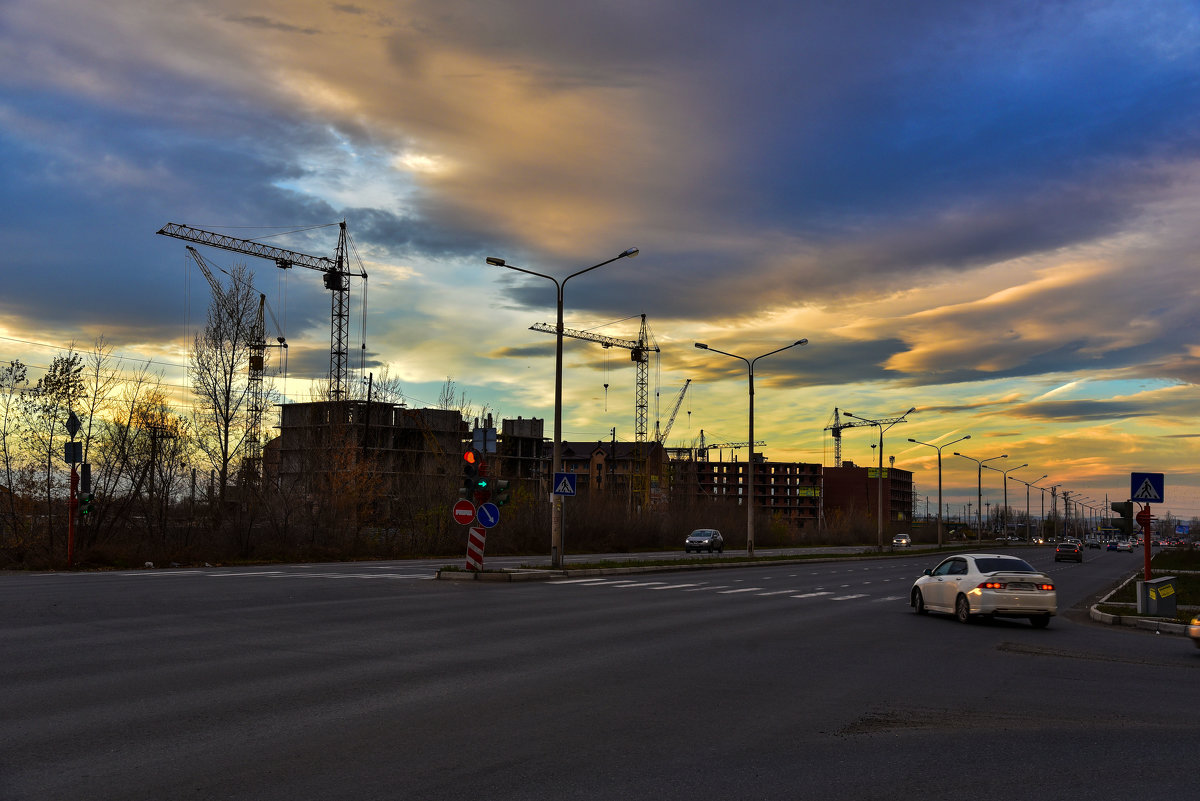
[986, 211]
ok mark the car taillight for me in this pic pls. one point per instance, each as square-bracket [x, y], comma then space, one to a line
[1046, 587]
[991, 585]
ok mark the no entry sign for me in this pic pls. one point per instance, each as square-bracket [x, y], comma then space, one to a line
[463, 512]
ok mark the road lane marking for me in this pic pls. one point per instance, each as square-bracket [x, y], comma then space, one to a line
[677, 586]
[812, 594]
[847, 597]
[741, 589]
[776, 592]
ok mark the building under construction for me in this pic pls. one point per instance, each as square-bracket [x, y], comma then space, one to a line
[401, 444]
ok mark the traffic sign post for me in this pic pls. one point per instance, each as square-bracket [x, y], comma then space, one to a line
[1145, 519]
[476, 540]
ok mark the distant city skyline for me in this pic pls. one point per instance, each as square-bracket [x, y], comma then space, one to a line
[984, 211]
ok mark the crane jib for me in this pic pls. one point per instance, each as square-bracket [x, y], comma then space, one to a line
[249, 247]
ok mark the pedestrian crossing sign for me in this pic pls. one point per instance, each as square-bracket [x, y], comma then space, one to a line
[564, 483]
[1146, 487]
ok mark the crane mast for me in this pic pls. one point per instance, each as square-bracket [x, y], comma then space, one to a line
[252, 464]
[336, 279]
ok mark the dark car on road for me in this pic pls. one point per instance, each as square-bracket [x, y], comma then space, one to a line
[704, 539]
[1068, 550]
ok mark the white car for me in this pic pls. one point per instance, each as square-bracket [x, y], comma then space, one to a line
[968, 585]
[1124, 545]
[901, 541]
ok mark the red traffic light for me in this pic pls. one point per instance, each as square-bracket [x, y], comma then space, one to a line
[471, 457]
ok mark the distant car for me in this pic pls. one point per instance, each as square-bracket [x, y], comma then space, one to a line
[704, 539]
[1068, 550]
[1112, 545]
[1092, 542]
[970, 585]
[901, 541]
[1194, 631]
[1124, 545]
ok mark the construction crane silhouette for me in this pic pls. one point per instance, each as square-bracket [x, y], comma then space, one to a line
[640, 355]
[336, 278]
[836, 425]
[256, 337]
[661, 438]
[705, 447]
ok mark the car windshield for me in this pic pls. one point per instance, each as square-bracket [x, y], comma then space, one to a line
[1008, 564]
[701, 533]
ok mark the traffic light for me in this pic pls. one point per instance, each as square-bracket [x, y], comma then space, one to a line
[1124, 523]
[470, 476]
[85, 504]
[500, 493]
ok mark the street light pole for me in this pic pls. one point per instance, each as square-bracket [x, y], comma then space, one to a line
[750, 463]
[891, 421]
[556, 509]
[1027, 484]
[1004, 515]
[938, 448]
[979, 489]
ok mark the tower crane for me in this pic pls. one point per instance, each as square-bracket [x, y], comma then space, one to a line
[666, 432]
[836, 425]
[336, 278]
[705, 447]
[256, 337]
[640, 355]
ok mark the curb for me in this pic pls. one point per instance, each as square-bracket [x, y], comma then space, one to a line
[1157, 625]
[505, 575]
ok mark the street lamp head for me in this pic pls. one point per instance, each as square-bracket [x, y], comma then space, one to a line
[910, 439]
[701, 346]
[496, 262]
[968, 436]
[910, 411]
[800, 342]
[629, 254]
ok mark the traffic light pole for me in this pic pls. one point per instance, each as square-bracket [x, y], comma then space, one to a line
[72, 505]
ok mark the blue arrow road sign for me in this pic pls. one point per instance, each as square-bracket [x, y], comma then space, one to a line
[564, 483]
[1146, 487]
[488, 515]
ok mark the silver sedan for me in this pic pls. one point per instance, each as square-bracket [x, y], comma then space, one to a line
[974, 584]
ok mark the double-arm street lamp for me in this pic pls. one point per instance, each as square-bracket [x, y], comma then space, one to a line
[556, 554]
[1027, 484]
[1004, 514]
[883, 425]
[979, 489]
[750, 439]
[938, 448]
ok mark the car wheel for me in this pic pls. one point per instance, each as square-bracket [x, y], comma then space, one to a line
[962, 609]
[1040, 621]
[918, 602]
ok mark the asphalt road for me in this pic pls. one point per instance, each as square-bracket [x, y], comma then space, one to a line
[370, 681]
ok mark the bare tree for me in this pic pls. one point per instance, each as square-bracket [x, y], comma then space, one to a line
[219, 370]
[13, 381]
[45, 409]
